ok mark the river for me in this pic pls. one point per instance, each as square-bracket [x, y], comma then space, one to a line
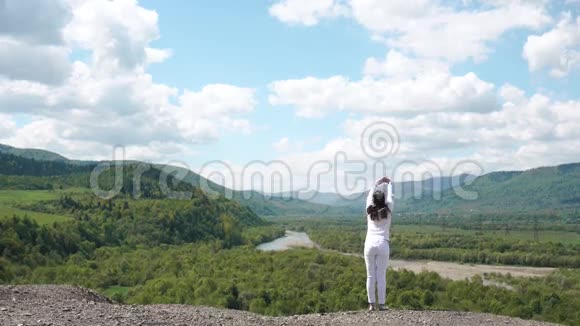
[453, 271]
[290, 240]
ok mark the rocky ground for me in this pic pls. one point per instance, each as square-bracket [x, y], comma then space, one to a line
[67, 305]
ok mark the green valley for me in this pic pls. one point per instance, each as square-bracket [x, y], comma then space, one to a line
[201, 249]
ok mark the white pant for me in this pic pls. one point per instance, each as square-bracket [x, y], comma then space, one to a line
[377, 261]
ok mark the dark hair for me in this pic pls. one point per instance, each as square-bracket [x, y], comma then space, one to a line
[376, 213]
[379, 209]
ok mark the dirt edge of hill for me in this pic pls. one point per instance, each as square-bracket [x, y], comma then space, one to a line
[57, 305]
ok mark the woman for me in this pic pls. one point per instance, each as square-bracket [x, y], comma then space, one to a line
[377, 241]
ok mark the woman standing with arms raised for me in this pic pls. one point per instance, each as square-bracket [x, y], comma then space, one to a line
[379, 208]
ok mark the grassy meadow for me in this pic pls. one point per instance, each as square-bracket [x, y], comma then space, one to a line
[563, 237]
[21, 202]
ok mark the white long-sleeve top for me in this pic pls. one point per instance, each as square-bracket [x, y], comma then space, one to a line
[378, 231]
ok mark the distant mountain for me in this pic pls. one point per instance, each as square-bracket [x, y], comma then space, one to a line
[323, 198]
[538, 189]
[402, 192]
[38, 169]
[36, 154]
[41, 155]
[541, 189]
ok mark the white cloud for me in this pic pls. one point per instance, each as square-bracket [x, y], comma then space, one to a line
[512, 94]
[522, 132]
[397, 15]
[81, 109]
[117, 32]
[206, 114]
[31, 42]
[282, 145]
[558, 49]
[406, 90]
[157, 55]
[397, 65]
[47, 64]
[34, 21]
[160, 151]
[441, 118]
[22, 96]
[427, 28]
[128, 109]
[7, 126]
[307, 12]
[430, 29]
[218, 99]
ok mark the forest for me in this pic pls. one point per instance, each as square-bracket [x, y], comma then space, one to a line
[194, 258]
[292, 282]
[201, 249]
[432, 242]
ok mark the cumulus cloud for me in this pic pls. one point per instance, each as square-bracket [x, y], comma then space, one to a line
[18, 96]
[397, 65]
[34, 21]
[557, 50]
[127, 109]
[117, 32]
[431, 29]
[442, 118]
[307, 12]
[218, 99]
[47, 64]
[427, 28]
[32, 42]
[201, 114]
[157, 55]
[407, 88]
[7, 126]
[83, 108]
[512, 94]
[521, 132]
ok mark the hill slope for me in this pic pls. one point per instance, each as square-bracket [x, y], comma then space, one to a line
[37, 154]
[37, 169]
[539, 189]
[403, 192]
[544, 188]
[67, 305]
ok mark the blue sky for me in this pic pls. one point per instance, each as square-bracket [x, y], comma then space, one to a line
[494, 82]
[241, 43]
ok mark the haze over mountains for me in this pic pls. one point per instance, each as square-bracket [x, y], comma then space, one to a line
[402, 190]
[539, 189]
[34, 168]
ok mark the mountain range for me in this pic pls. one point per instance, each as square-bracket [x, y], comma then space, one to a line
[35, 168]
[538, 189]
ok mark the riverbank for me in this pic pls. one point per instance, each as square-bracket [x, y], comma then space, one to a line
[291, 239]
[450, 270]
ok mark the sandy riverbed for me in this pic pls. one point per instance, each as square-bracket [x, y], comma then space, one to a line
[454, 271]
